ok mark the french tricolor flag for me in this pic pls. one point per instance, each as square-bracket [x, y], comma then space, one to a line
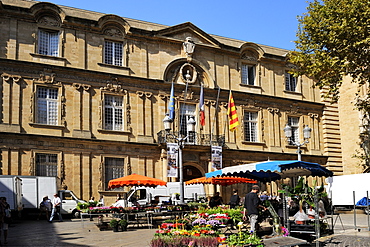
[201, 107]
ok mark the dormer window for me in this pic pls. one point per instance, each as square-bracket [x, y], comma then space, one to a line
[48, 43]
[248, 74]
[113, 53]
[290, 82]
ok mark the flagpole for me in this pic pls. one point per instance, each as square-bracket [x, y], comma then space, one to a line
[227, 113]
[216, 114]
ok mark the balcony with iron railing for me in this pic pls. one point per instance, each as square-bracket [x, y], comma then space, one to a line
[193, 138]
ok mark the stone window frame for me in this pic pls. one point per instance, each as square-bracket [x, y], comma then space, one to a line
[42, 31]
[49, 23]
[298, 90]
[114, 43]
[60, 163]
[102, 168]
[288, 82]
[251, 59]
[114, 34]
[61, 105]
[250, 67]
[115, 90]
[182, 126]
[256, 128]
[260, 125]
[298, 126]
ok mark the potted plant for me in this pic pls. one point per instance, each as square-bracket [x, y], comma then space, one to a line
[114, 225]
[123, 223]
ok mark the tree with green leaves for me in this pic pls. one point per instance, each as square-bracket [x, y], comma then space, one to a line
[333, 42]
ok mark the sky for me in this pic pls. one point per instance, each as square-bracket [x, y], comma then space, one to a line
[267, 22]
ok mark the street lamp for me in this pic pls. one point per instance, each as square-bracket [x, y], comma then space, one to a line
[306, 135]
[180, 141]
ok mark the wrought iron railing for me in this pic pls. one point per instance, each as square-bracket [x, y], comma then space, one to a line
[193, 138]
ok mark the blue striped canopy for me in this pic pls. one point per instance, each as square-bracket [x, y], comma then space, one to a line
[273, 170]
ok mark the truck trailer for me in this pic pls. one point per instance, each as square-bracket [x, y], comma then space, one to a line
[33, 189]
[346, 190]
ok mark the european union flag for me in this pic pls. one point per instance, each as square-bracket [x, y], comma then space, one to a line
[171, 105]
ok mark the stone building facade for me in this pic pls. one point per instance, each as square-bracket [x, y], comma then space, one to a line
[84, 94]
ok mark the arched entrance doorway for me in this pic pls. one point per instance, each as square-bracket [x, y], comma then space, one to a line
[191, 172]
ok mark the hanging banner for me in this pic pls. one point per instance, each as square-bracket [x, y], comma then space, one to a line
[172, 160]
[216, 158]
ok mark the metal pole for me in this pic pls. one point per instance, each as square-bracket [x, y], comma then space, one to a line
[354, 210]
[181, 174]
[317, 221]
[367, 206]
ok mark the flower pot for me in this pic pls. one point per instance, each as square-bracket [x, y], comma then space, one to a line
[115, 229]
[124, 228]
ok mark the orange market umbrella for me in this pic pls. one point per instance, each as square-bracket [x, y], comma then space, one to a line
[221, 181]
[135, 180]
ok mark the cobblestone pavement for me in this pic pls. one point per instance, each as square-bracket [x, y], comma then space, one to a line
[349, 235]
[73, 232]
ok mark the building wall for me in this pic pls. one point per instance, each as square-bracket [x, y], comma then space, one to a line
[153, 57]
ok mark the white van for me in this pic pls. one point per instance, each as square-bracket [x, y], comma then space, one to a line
[144, 195]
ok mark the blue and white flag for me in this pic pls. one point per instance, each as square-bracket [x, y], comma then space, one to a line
[171, 105]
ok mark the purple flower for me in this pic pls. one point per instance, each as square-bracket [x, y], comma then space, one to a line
[199, 221]
[213, 222]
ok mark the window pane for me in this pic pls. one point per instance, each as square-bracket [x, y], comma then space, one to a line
[48, 43]
[294, 123]
[114, 168]
[250, 126]
[113, 112]
[244, 74]
[54, 38]
[108, 52]
[290, 82]
[186, 112]
[113, 53]
[118, 54]
[251, 73]
[47, 106]
[248, 74]
[47, 165]
[43, 42]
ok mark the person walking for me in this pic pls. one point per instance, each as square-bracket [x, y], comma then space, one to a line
[6, 218]
[56, 208]
[251, 205]
[234, 199]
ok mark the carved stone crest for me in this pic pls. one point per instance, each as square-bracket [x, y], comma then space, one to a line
[188, 47]
[113, 32]
[49, 21]
[47, 76]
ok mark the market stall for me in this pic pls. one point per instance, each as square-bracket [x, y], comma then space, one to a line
[223, 181]
[268, 171]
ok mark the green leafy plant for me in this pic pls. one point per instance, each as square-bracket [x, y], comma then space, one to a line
[123, 223]
[242, 239]
[113, 223]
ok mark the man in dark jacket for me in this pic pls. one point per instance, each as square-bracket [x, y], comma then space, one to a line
[251, 205]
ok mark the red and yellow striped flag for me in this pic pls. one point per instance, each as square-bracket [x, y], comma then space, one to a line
[231, 113]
